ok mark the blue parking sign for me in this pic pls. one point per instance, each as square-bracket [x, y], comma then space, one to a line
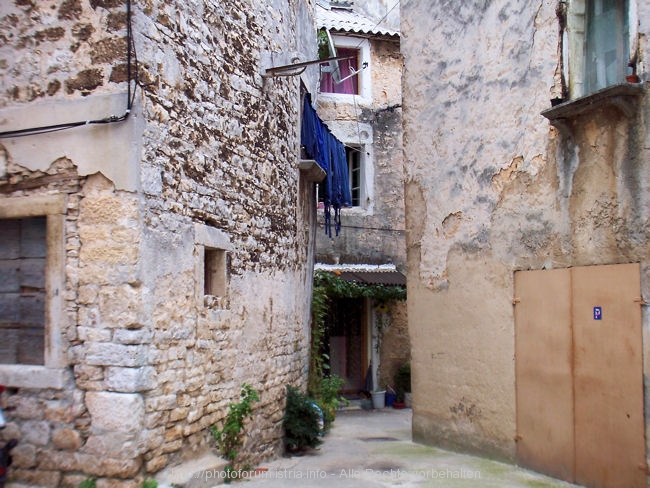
[598, 313]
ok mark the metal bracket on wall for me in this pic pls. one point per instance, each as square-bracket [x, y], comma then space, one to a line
[290, 69]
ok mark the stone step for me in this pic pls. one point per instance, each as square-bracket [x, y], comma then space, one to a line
[204, 472]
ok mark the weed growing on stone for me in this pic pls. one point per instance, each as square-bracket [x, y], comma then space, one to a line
[229, 438]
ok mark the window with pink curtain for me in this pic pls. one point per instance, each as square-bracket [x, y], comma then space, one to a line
[346, 66]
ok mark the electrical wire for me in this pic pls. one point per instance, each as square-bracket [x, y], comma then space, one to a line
[360, 227]
[130, 51]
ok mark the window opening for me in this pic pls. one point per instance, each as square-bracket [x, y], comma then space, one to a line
[606, 59]
[349, 84]
[354, 174]
[355, 177]
[214, 272]
[22, 290]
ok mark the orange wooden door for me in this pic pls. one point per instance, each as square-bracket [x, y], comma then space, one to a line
[543, 375]
[579, 375]
[608, 376]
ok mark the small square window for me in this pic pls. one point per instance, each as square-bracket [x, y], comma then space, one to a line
[215, 272]
[347, 78]
[212, 247]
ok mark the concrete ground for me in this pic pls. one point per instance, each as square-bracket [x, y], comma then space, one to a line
[373, 448]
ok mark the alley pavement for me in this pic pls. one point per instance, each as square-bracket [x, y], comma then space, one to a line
[373, 448]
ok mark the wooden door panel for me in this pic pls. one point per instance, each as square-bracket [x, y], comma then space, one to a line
[608, 377]
[543, 375]
[579, 375]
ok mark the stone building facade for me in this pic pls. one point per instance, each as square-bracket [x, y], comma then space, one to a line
[502, 187]
[173, 231]
[369, 123]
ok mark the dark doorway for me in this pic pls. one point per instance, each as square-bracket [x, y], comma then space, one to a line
[345, 342]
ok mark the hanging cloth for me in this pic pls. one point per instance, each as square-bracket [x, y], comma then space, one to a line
[321, 145]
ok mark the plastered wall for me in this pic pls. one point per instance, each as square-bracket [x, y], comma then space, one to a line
[492, 187]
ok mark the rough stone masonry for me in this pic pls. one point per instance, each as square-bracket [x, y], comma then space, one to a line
[140, 357]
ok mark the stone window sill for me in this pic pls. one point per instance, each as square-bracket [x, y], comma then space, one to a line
[624, 97]
[29, 376]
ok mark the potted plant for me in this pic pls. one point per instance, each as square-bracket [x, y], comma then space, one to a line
[403, 386]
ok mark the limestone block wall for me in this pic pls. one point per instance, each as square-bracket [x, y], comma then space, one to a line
[206, 159]
[491, 188]
[373, 233]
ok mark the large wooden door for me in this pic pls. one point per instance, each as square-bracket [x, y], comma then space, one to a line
[579, 374]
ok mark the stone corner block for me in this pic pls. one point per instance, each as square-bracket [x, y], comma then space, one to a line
[115, 412]
[130, 380]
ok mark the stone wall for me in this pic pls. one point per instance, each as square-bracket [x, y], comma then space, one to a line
[491, 188]
[207, 158]
[373, 233]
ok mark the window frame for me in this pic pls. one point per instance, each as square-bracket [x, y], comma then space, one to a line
[355, 154]
[364, 94]
[358, 135]
[575, 48]
[211, 251]
[52, 373]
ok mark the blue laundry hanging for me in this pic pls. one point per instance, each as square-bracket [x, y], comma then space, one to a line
[329, 153]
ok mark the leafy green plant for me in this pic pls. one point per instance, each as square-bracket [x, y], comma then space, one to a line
[323, 45]
[300, 422]
[88, 483]
[229, 438]
[328, 285]
[329, 399]
[402, 381]
[149, 484]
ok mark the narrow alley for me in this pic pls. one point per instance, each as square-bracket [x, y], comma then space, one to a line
[373, 448]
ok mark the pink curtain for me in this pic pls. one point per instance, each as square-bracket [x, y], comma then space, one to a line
[346, 66]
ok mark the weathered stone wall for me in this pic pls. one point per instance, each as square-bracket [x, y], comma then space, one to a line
[373, 233]
[395, 344]
[212, 150]
[492, 188]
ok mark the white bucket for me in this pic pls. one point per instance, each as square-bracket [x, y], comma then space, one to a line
[379, 399]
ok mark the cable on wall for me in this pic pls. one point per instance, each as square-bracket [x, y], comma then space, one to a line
[130, 52]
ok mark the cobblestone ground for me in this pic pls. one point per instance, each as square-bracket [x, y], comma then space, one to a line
[373, 448]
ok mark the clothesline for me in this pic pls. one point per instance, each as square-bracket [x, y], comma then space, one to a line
[321, 145]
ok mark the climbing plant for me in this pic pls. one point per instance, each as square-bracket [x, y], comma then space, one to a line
[327, 286]
[229, 438]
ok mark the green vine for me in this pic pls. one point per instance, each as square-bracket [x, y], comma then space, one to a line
[327, 286]
[229, 439]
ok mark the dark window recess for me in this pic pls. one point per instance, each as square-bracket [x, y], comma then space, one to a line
[22, 290]
[215, 278]
[354, 174]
